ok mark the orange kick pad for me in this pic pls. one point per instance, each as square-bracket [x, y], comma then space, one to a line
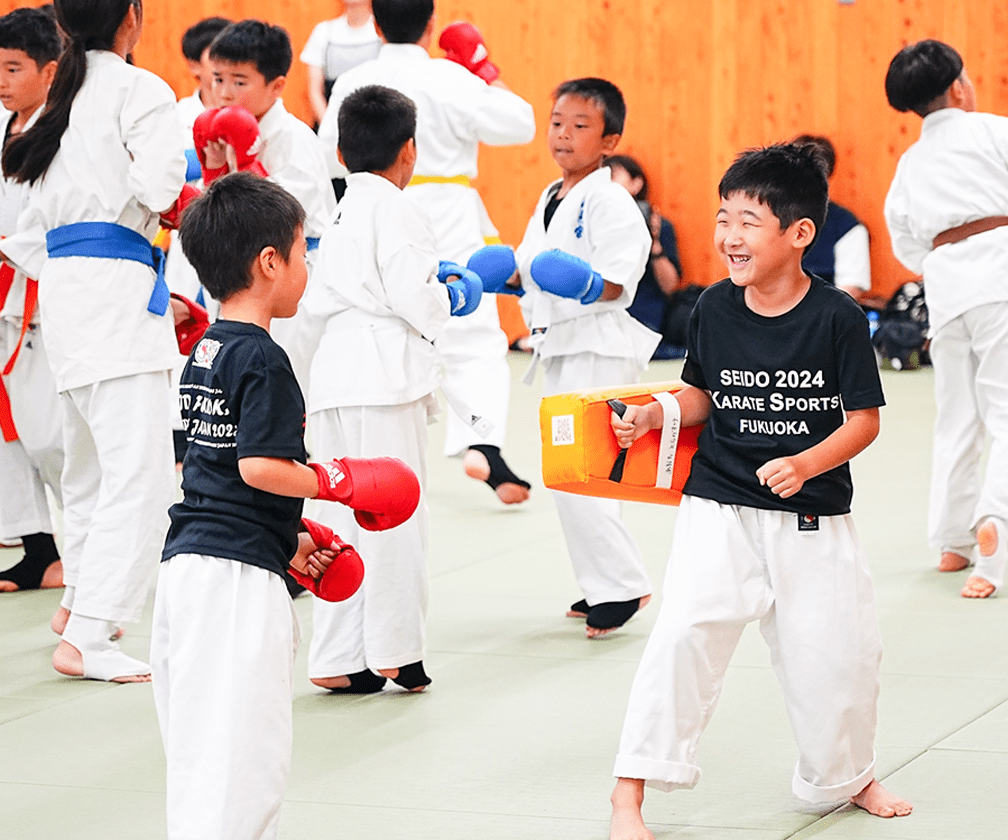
[579, 447]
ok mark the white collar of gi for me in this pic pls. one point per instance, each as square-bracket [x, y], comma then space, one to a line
[411, 51]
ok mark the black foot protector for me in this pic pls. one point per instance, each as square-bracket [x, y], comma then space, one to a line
[580, 607]
[293, 587]
[40, 553]
[362, 682]
[500, 472]
[610, 614]
[412, 676]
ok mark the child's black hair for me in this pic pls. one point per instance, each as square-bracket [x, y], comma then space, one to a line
[604, 94]
[788, 178]
[200, 35]
[88, 25]
[224, 230]
[921, 73]
[825, 147]
[402, 21]
[375, 122]
[633, 169]
[267, 47]
[34, 33]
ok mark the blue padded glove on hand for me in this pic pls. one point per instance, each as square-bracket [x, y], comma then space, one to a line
[464, 292]
[565, 275]
[495, 265]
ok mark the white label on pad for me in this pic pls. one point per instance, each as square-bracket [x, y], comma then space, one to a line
[669, 439]
[563, 430]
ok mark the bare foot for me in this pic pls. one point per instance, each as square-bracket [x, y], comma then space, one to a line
[627, 822]
[59, 620]
[392, 673]
[596, 632]
[977, 587]
[476, 466]
[876, 800]
[987, 542]
[331, 682]
[952, 561]
[68, 661]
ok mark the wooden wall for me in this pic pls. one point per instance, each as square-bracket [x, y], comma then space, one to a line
[703, 79]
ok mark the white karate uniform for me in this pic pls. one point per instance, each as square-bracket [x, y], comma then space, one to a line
[376, 295]
[234, 733]
[35, 459]
[121, 160]
[811, 592]
[591, 346]
[955, 173]
[456, 111]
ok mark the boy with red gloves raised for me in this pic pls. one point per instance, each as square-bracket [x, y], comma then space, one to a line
[224, 632]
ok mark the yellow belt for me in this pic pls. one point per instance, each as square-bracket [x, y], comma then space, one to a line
[461, 180]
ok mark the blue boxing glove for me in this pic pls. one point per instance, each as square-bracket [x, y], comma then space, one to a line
[565, 275]
[495, 265]
[193, 170]
[465, 291]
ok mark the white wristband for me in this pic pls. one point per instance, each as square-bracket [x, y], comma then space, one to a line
[669, 438]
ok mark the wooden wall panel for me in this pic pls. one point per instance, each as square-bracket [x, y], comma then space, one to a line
[703, 79]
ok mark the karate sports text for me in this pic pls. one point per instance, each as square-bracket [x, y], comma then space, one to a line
[200, 411]
[774, 401]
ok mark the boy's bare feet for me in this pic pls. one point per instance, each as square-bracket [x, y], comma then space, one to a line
[977, 586]
[627, 822]
[596, 632]
[952, 561]
[68, 661]
[876, 800]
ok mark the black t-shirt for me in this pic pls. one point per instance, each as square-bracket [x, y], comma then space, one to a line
[239, 399]
[779, 386]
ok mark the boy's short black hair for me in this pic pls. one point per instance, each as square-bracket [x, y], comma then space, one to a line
[921, 73]
[34, 33]
[200, 35]
[374, 122]
[267, 47]
[224, 230]
[402, 21]
[788, 178]
[825, 147]
[633, 168]
[604, 94]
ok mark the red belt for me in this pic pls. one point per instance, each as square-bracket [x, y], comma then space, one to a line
[31, 298]
[958, 234]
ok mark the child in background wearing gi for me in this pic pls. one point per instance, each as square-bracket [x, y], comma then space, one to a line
[775, 360]
[377, 290]
[461, 102]
[196, 42]
[224, 632]
[586, 229]
[104, 158]
[31, 451]
[946, 216]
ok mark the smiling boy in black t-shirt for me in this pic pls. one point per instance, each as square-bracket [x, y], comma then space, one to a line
[224, 633]
[776, 358]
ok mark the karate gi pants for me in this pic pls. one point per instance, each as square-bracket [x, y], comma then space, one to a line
[35, 459]
[382, 625]
[475, 375]
[608, 565]
[223, 641]
[970, 357]
[118, 482]
[812, 594]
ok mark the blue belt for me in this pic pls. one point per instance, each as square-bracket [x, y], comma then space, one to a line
[114, 242]
[313, 242]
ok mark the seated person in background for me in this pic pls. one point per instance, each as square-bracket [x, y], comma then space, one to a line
[663, 272]
[840, 254]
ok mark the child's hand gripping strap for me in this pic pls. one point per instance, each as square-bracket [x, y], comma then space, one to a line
[669, 438]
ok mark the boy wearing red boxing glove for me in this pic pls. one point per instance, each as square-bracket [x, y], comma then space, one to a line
[224, 632]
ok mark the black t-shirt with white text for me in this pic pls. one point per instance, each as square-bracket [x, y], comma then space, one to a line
[779, 386]
[239, 399]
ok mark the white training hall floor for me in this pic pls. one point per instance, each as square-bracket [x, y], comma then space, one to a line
[516, 736]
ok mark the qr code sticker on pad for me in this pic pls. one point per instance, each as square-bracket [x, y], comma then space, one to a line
[563, 430]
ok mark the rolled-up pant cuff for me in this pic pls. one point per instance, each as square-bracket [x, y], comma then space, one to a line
[662, 775]
[832, 793]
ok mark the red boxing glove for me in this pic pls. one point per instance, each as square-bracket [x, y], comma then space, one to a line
[382, 492]
[237, 127]
[191, 321]
[464, 45]
[345, 573]
[173, 217]
[202, 132]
